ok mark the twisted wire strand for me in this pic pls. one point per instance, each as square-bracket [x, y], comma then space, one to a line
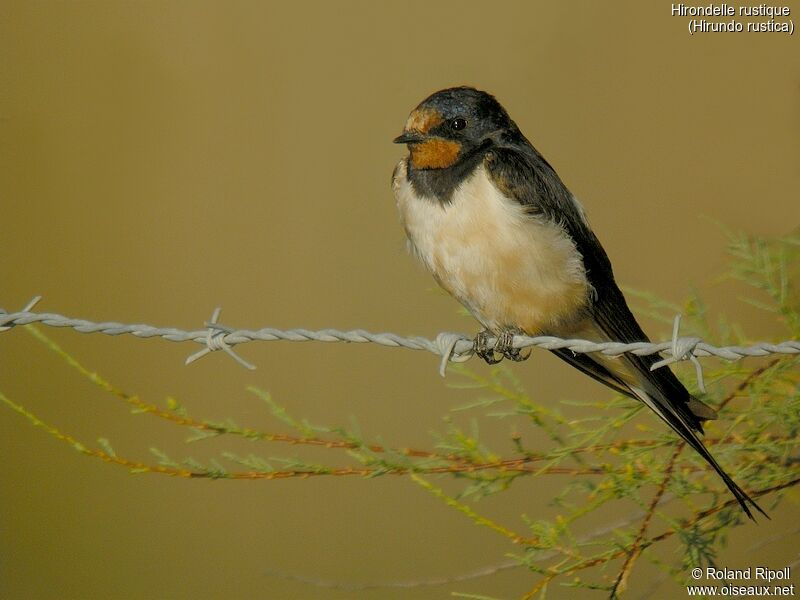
[451, 347]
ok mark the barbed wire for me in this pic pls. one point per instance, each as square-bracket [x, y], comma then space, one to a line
[451, 347]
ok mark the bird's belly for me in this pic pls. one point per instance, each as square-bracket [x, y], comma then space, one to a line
[510, 269]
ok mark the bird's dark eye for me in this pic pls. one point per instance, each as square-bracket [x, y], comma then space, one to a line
[458, 124]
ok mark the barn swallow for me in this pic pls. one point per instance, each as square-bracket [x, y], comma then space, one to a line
[498, 229]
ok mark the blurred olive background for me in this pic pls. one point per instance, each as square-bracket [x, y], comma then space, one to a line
[163, 158]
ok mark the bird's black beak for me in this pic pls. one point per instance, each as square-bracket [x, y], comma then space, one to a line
[409, 137]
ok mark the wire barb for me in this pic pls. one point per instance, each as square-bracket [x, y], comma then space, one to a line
[447, 344]
[31, 303]
[683, 349]
[215, 340]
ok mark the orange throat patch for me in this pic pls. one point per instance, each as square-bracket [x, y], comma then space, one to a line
[435, 154]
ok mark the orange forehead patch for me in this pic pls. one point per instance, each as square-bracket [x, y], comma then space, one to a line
[423, 120]
[436, 153]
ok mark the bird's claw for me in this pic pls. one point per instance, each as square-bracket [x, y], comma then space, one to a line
[482, 348]
[503, 347]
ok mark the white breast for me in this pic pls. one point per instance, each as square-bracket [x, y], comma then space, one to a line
[510, 269]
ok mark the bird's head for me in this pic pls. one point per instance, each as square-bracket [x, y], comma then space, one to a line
[450, 124]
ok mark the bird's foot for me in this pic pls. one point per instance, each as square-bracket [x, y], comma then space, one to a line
[503, 347]
[483, 349]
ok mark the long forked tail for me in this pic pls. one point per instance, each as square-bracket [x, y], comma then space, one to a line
[678, 422]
